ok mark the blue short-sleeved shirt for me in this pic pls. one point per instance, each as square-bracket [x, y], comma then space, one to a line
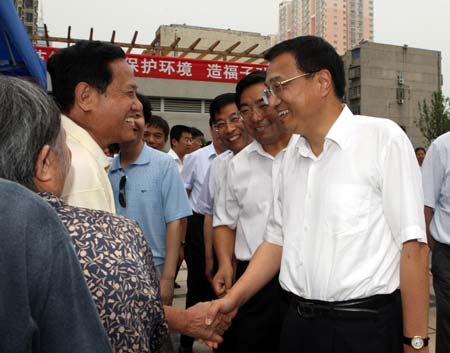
[155, 196]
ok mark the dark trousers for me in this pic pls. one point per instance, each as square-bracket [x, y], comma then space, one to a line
[257, 325]
[440, 267]
[381, 333]
[198, 287]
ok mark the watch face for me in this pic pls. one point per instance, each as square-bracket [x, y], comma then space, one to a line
[417, 342]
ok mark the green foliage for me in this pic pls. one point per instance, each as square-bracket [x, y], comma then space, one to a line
[434, 117]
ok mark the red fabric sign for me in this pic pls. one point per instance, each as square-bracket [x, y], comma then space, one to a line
[179, 68]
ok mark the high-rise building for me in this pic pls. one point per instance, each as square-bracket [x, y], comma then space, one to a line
[28, 13]
[343, 23]
[285, 20]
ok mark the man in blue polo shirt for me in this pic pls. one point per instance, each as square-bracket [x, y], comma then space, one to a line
[148, 188]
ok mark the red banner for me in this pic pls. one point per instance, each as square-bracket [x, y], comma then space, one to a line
[174, 68]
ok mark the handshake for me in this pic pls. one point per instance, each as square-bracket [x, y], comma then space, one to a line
[207, 321]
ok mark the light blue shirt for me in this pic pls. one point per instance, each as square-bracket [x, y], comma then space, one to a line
[155, 196]
[436, 187]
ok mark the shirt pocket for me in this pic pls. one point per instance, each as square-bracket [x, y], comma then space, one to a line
[349, 209]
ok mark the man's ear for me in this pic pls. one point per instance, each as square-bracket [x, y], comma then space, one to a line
[84, 96]
[325, 81]
[42, 168]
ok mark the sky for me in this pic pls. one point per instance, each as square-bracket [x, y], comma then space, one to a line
[416, 23]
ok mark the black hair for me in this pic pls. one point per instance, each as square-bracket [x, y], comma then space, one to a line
[313, 54]
[176, 131]
[146, 106]
[86, 61]
[196, 132]
[218, 103]
[420, 149]
[158, 121]
[251, 79]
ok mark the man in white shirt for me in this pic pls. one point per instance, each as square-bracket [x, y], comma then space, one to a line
[180, 143]
[347, 230]
[240, 219]
[195, 167]
[436, 187]
[96, 91]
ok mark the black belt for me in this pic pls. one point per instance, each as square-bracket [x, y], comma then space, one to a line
[351, 309]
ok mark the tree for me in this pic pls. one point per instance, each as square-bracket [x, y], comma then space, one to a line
[434, 118]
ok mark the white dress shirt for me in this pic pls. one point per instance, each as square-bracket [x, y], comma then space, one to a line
[196, 164]
[251, 183]
[343, 216]
[87, 184]
[177, 159]
[436, 186]
[214, 179]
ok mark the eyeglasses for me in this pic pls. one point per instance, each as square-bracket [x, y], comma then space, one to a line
[233, 119]
[275, 88]
[247, 111]
[122, 198]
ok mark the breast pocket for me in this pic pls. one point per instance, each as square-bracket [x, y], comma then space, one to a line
[349, 208]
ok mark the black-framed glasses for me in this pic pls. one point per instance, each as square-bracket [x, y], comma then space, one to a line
[122, 195]
[274, 88]
[247, 111]
[233, 119]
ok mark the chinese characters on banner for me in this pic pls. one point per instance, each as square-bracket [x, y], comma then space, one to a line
[179, 68]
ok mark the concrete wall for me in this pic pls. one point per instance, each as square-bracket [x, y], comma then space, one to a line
[386, 68]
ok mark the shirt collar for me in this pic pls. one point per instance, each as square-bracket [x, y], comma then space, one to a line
[258, 148]
[52, 199]
[79, 134]
[143, 158]
[339, 133]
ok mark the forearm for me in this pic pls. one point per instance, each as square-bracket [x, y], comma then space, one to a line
[176, 318]
[173, 243]
[183, 228]
[428, 217]
[208, 236]
[263, 266]
[223, 240]
[414, 288]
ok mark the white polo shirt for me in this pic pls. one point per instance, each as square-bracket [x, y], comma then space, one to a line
[343, 216]
[436, 187]
[195, 166]
[251, 183]
[87, 184]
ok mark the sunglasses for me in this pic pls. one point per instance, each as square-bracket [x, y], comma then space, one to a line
[122, 195]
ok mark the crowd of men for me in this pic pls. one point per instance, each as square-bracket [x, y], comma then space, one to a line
[303, 227]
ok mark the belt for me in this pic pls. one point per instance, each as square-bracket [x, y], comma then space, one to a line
[364, 308]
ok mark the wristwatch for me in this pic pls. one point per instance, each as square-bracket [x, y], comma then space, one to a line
[417, 342]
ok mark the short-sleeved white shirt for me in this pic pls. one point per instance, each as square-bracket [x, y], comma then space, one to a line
[436, 187]
[252, 181]
[214, 179]
[195, 166]
[343, 216]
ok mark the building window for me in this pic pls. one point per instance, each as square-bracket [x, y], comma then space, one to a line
[354, 92]
[354, 72]
[29, 17]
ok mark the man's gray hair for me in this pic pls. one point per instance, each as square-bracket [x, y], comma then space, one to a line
[29, 119]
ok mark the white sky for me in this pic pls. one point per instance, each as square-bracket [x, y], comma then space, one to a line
[417, 23]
